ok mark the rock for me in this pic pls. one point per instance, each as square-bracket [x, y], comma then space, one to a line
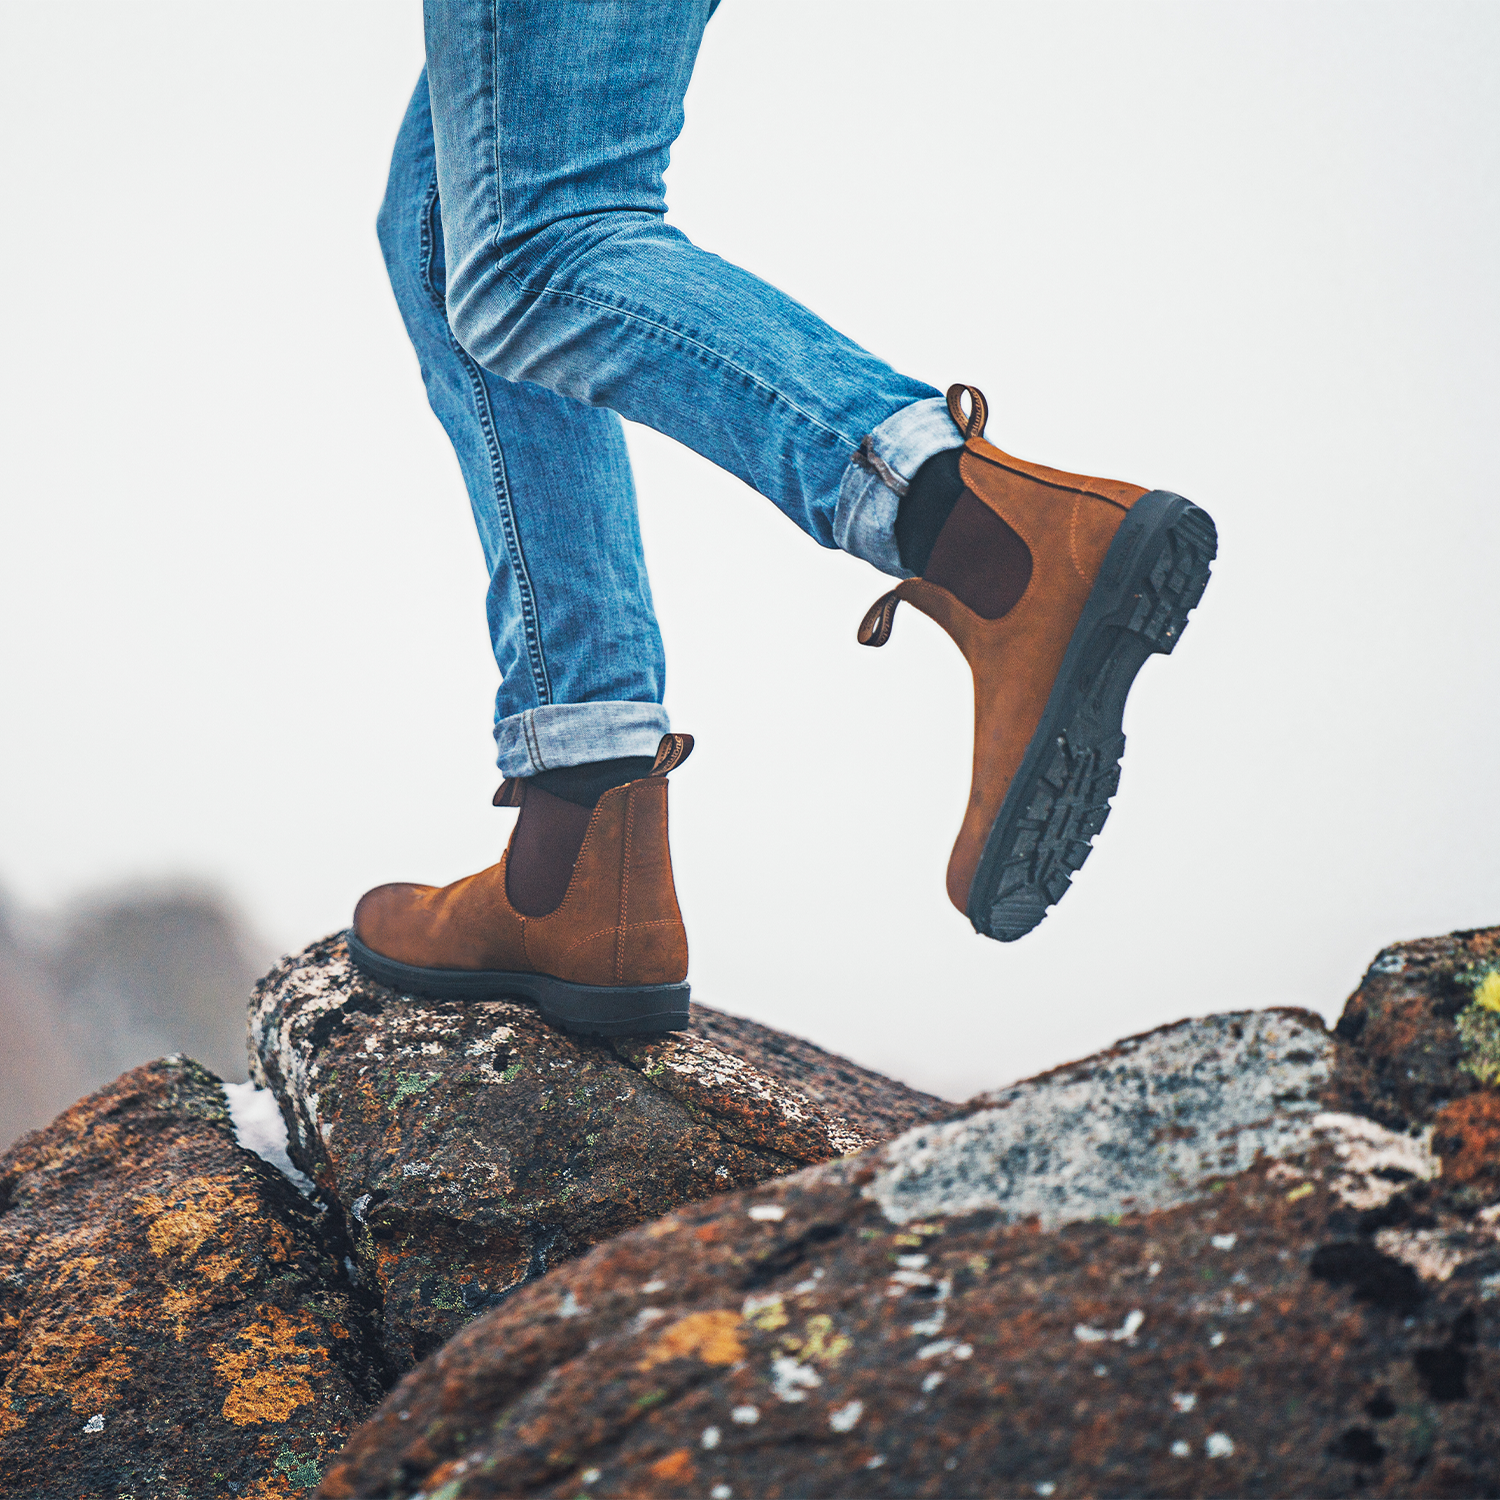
[473, 1147]
[173, 1322]
[1182, 1267]
[1405, 1018]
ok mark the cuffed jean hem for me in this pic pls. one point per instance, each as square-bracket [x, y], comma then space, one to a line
[864, 521]
[577, 734]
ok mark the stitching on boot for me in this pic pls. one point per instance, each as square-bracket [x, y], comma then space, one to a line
[624, 888]
[612, 931]
[1073, 539]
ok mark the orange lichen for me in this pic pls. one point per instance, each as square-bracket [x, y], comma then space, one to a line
[1466, 1134]
[196, 1211]
[675, 1468]
[270, 1372]
[712, 1337]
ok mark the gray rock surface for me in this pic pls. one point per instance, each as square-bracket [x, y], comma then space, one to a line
[472, 1148]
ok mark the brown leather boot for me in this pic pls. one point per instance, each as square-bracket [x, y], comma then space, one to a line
[610, 960]
[1114, 572]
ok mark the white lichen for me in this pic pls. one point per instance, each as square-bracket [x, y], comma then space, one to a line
[1149, 1125]
[843, 1418]
[1375, 1161]
[791, 1380]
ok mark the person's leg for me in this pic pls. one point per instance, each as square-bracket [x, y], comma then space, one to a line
[581, 913]
[569, 603]
[553, 126]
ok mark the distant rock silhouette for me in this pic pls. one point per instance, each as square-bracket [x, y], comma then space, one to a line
[115, 980]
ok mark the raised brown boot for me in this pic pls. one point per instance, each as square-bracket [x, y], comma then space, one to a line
[610, 959]
[1114, 571]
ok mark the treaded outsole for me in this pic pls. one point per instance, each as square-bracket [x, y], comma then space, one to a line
[1153, 576]
[582, 1009]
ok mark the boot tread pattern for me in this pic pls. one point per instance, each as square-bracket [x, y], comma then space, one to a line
[1061, 796]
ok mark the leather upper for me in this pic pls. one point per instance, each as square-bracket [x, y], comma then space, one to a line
[1067, 521]
[618, 924]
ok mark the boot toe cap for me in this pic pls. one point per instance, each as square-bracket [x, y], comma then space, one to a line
[383, 912]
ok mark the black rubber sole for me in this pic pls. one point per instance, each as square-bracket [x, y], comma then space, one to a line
[1154, 574]
[583, 1009]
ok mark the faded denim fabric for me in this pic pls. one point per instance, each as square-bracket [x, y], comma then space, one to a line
[526, 202]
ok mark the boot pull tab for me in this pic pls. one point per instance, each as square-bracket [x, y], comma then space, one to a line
[511, 793]
[875, 628]
[972, 426]
[673, 750]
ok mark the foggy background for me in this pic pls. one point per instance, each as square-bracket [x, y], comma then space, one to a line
[1245, 251]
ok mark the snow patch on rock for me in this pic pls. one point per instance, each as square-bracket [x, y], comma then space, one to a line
[259, 1127]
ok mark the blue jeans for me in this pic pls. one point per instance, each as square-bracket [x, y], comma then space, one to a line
[546, 297]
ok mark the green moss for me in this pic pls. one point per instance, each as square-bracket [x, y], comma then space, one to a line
[1421, 1431]
[449, 1299]
[409, 1083]
[302, 1472]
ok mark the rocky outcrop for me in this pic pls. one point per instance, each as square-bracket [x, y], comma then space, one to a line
[471, 1147]
[1236, 1256]
[174, 1320]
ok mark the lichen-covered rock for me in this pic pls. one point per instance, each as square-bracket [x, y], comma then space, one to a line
[173, 1322]
[1182, 1267]
[1426, 1019]
[472, 1147]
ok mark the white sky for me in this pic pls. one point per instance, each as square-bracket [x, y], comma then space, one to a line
[1243, 251]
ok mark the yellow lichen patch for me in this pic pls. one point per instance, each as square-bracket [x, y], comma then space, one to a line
[180, 1224]
[268, 1370]
[1487, 991]
[822, 1345]
[178, 1304]
[270, 1487]
[277, 1243]
[712, 1337]
[766, 1313]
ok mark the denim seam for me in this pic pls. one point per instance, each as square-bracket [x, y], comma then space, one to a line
[533, 744]
[427, 244]
[666, 331]
[504, 507]
[495, 134]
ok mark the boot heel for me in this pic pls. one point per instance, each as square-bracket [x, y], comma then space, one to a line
[1179, 550]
